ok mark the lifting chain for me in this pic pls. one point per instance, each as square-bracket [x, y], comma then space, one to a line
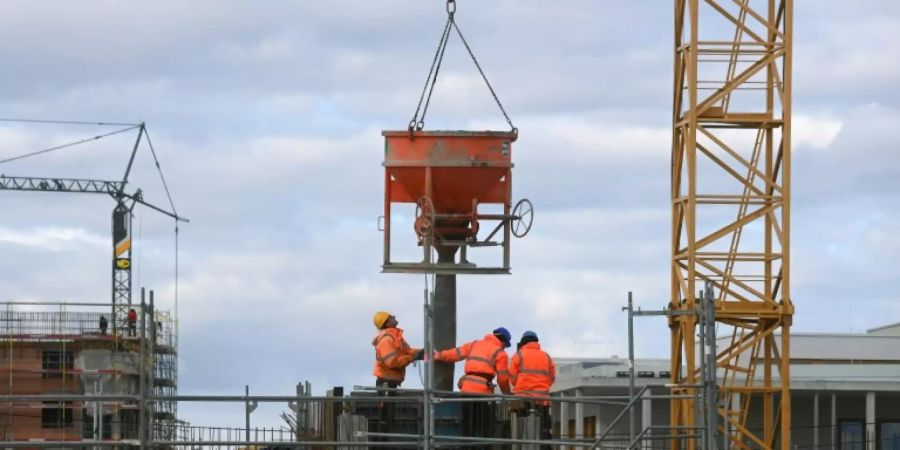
[418, 121]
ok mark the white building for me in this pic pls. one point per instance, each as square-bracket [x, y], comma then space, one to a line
[845, 391]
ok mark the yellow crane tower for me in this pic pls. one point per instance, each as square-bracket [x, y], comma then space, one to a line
[731, 184]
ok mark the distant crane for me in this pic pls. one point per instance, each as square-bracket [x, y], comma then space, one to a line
[121, 216]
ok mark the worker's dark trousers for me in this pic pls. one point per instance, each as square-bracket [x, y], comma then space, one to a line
[479, 420]
[386, 416]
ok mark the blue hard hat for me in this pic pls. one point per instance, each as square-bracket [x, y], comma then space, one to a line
[504, 335]
[529, 334]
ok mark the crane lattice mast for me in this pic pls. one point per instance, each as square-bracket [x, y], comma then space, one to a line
[731, 184]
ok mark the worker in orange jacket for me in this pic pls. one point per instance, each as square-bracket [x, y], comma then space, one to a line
[392, 353]
[485, 359]
[533, 372]
[531, 369]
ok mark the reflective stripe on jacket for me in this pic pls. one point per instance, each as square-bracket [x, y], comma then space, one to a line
[532, 371]
[475, 384]
[392, 354]
[485, 359]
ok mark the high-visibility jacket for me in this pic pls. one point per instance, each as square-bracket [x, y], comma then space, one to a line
[485, 359]
[532, 371]
[392, 354]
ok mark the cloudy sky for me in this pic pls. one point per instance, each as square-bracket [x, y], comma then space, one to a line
[267, 116]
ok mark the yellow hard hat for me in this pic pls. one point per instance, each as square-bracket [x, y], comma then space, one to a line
[380, 318]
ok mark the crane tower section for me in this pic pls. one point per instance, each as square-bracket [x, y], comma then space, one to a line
[731, 184]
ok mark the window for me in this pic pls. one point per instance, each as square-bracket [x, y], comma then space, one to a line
[55, 415]
[590, 429]
[55, 362]
[852, 432]
[890, 435]
[130, 419]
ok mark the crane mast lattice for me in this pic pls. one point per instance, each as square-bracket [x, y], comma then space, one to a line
[731, 184]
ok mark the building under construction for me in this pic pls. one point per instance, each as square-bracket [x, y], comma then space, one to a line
[66, 349]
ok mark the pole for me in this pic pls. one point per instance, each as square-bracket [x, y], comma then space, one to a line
[97, 436]
[247, 414]
[712, 413]
[428, 406]
[151, 367]
[296, 408]
[700, 411]
[444, 308]
[631, 412]
[249, 407]
[307, 417]
[142, 367]
[100, 420]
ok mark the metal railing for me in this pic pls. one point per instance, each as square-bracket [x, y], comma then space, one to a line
[366, 419]
[28, 321]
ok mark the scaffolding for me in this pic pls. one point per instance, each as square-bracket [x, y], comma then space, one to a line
[367, 417]
[72, 349]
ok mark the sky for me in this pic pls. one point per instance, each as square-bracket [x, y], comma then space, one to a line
[267, 117]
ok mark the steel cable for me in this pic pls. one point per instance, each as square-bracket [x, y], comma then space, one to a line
[484, 77]
[70, 144]
[69, 122]
[159, 169]
[418, 122]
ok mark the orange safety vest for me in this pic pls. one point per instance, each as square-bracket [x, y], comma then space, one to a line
[485, 359]
[392, 354]
[532, 371]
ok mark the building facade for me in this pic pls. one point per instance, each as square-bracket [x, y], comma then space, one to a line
[67, 349]
[845, 392]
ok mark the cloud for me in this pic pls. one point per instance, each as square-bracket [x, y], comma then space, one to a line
[816, 133]
[52, 238]
[267, 119]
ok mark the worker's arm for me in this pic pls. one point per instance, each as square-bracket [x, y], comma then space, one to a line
[409, 350]
[453, 355]
[392, 354]
[514, 369]
[414, 352]
[552, 370]
[501, 365]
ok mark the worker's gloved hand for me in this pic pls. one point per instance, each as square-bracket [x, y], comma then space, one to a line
[420, 355]
[434, 356]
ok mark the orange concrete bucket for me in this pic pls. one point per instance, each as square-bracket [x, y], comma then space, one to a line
[448, 174]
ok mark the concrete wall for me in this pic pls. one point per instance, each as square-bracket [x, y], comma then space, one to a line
[24, 363]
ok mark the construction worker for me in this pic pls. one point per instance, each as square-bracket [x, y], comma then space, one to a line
[533, 372]
[132, 322]
[531, 369]
[104, 324]
[485, 359]
[392, 353]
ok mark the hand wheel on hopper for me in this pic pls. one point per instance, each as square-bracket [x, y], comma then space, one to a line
[522, 216]
[424, 216]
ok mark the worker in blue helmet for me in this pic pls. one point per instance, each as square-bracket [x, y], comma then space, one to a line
[533, 373]
[486, 359]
